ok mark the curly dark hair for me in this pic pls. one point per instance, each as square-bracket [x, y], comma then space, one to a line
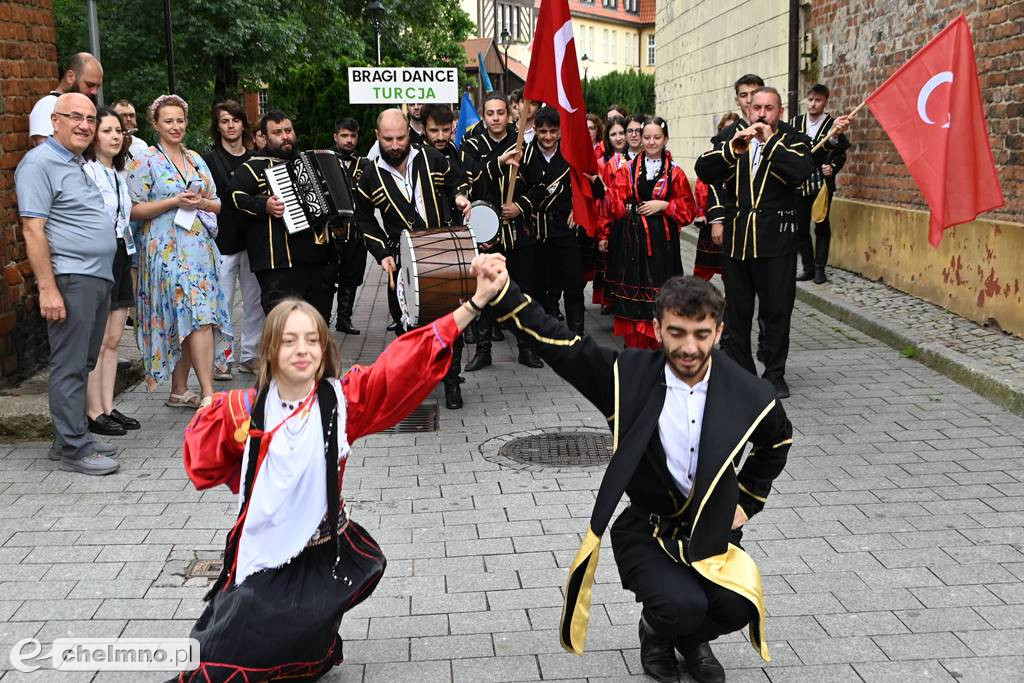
[690, 297]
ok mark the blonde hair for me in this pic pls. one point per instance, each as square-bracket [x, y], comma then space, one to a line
[165, 101]
[273, 332]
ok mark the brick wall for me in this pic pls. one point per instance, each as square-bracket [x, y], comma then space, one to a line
[871, 40]
[28, 69]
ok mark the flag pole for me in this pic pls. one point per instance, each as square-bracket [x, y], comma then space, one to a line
[850, 115]
[524, 105]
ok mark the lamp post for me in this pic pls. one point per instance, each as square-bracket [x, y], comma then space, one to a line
[506, 40]
[376, 11]
[169, 43]
[586, 69]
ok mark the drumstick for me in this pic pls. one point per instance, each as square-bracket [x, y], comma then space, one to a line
[391, 276]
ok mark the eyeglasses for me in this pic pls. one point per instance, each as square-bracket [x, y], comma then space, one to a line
[634, 131]
[77, 118]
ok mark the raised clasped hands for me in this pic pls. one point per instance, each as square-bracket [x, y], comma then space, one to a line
[491, 275]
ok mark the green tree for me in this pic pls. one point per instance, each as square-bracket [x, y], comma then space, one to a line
[632, 89]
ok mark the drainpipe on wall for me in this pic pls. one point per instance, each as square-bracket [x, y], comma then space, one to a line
[793, 105]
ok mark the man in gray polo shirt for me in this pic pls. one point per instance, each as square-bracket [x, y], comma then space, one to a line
[71, 243]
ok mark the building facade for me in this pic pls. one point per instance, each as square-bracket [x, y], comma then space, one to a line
[879, 219]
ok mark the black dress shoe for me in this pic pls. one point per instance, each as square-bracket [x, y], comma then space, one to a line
[497, 334]
[657, 655]
[393, 326]
[529, 358]
[106, 425]
[124, 420]
[781, 388]
[701, 662]
[804, 276]
[452, 396]
[344, 325]
[480, 360]
[819, 276]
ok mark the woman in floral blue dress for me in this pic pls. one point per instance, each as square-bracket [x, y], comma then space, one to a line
[180, 302]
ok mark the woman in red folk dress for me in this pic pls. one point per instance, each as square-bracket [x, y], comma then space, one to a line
[611, 163]
[654, 201]
[294, 561]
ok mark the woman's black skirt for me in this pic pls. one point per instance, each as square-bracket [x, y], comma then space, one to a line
[283, 623]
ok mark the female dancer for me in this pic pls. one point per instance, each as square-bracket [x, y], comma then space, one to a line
[655, 202]
[611, 162]
[295, 562]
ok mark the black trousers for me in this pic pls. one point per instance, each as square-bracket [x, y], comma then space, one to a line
[816, 255]
[351, 262]
[313, 284]
[523, 267]
[773, 281]
[561, 262]
[678, 602]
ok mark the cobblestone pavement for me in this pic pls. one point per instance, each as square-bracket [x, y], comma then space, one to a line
[891, 546]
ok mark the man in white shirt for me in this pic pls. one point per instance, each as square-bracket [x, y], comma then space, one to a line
[84, 75]
[126, 110]
[681, 418]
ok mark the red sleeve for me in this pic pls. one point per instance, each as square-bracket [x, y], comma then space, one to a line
[381, 395]
[618, 181]
[681, 208]
[215, 440]
[701, 198]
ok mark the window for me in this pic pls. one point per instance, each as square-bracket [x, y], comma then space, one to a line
[630, 6]
[604, 46]
[507, 19]
[610, 4]
[615, 47]
[261, 101]
[650, 50]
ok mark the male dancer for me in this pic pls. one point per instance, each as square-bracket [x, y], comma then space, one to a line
[766, 161]
[490, 180]
[680, 417]
[347, 239]
[828, 161]
[286, 264]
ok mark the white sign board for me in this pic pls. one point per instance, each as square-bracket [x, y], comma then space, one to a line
[397, 85]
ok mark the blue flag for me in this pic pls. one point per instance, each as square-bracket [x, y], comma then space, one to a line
[485, 77]
[467, 118]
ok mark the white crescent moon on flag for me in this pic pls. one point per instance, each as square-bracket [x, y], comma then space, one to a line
[926, 92]
[562, 38]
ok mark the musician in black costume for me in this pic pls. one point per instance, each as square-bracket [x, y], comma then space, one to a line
[413, 188]
[819, 126]
[765, 163]
[415, 114]
[681, 416]
[549, 203]
[286, 264]
[517, 240]
[348, 240]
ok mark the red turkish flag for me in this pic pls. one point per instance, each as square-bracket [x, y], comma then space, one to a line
[554, 79]
[932, 110]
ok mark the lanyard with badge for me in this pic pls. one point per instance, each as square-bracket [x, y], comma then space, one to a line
[122, 217]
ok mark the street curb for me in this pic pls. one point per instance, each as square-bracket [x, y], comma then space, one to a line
[958, 367]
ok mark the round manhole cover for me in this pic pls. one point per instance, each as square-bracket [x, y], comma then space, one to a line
[560, 449]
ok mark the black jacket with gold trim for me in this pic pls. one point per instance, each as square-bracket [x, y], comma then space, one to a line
[490, 182]
[832, 153]
[378, 189]
[345, 229]
[267, 240]
[451, 153]
[548, 201]
[764, 223]
[628, 387]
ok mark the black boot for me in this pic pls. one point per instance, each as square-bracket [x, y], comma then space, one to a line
[452, 395]
[805, 275]
[529, 357]
[657, 655]
[470, 335]
[346, 299]
[701, 662]
[574, 314]
[497, 334]
[482, 358]
[819, 276]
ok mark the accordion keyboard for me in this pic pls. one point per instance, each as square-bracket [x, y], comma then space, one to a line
[283, 188]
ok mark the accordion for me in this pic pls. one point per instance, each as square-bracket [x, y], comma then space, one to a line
[314, 187]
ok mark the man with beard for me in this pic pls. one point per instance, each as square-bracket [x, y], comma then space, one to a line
[229, 130]
[413, 189]
[286, 264]
[490, 180]
[84, 75]
[348, 240]
[681, 417]
[126, 110]
[767, 161]
[415, 123]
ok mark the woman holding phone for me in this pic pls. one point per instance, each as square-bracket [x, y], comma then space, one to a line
[179, 300]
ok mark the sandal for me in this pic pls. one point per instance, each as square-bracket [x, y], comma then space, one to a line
[186, 399]
[249, 367]
[222, 373]
[207, 400]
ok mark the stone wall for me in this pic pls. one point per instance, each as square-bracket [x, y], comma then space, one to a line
[28, 70]
[702, 47]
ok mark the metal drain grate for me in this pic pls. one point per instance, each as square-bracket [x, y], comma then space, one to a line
[423, 419]
[560, 449]
[207, 569]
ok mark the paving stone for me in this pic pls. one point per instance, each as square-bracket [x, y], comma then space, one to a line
[565, 665]
[496, 669]
[900, 672]
[452, 647]
[833, 673]
[994, 669]
[923, 645]
[861, 624]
